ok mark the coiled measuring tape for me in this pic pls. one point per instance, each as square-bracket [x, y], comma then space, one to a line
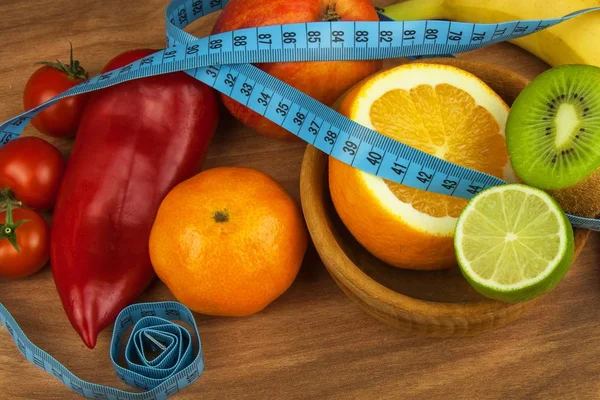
[175, 366]
[222, 61]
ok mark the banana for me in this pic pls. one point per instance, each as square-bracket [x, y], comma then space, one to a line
[571, 42]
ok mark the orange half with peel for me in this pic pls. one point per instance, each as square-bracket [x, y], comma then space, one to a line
[443, 111]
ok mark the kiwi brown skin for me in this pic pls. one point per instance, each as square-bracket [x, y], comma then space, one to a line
[583, 198]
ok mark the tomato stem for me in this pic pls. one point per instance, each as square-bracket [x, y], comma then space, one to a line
[9, 228]
[7, 196]
[74, 69]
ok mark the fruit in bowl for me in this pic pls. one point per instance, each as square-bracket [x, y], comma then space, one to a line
[514, 243]
[323, 80]
[553, 136]
[441, 110]
[434, 302]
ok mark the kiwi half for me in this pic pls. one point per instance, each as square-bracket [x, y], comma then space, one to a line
[553, 127]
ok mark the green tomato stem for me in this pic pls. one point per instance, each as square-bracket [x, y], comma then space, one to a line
[8, 230]
[74, 69]
[7, 196]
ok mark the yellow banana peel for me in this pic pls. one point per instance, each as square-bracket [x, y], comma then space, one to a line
[572, 42]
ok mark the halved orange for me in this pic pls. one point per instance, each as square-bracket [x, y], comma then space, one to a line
[439, 109]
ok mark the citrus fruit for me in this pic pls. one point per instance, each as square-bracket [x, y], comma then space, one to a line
[228, 241]
[439, 109]
[513, 243]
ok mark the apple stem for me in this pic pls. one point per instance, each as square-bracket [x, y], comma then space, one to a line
[329, 14]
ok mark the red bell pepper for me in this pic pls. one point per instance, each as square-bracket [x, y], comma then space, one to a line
[135, 142]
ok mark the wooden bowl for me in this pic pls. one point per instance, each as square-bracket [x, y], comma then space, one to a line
[432, 303]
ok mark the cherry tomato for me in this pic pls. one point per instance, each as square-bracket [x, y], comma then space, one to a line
[33, 240]
[61, 119]
[32, 169]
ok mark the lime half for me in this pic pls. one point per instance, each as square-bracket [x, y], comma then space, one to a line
[513, 243]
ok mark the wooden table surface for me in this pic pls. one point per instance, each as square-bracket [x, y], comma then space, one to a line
[313, 342]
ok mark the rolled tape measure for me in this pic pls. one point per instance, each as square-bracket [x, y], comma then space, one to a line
[175, 366]
[223, 61]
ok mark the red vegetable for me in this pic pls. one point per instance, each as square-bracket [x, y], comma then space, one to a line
[27, 231]
[62, 118]
[32, 169]
[135, 142]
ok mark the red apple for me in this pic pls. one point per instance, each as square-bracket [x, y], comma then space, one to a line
[323, 80]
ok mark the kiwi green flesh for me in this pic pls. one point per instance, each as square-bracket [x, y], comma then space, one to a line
[553, 127]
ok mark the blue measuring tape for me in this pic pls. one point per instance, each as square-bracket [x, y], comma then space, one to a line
[222, 61]
[176, 366]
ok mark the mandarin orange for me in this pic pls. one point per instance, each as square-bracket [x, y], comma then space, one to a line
[228, 241]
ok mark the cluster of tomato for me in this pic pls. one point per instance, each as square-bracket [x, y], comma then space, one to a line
[31, 170]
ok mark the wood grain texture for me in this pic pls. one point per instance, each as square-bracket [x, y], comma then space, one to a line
[313, 342]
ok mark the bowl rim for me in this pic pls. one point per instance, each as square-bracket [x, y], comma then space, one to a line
[314, 169]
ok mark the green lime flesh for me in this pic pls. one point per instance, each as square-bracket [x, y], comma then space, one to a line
[513, 243]
[553, 127]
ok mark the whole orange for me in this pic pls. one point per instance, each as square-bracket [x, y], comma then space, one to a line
[228, 241]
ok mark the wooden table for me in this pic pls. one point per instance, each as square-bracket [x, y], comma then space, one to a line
[313, 342]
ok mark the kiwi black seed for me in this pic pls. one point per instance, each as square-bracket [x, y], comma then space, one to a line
[553, 128]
